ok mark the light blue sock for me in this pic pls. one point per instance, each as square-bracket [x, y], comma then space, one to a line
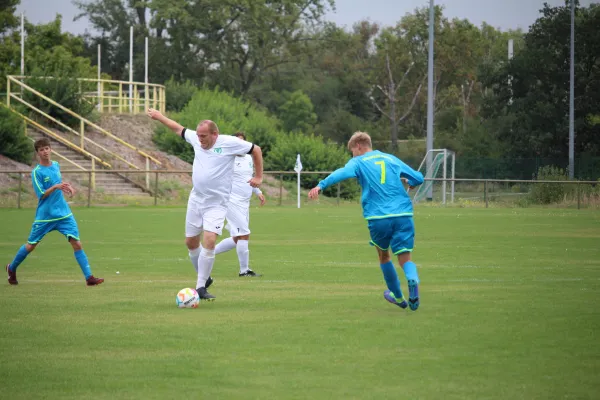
[83, 263]
[19, 257]
[391, 279]
[410, 271]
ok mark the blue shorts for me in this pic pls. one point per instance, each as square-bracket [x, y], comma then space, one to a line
[397, 233]
[66, 226]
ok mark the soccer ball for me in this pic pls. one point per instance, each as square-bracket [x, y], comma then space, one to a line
[187, 298]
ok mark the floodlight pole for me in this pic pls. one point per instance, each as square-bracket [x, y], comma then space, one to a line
[572, 97]
[146, 94]
[430, 97]
[510, 57]
[130, 69]
[100, 100]
[22, 44]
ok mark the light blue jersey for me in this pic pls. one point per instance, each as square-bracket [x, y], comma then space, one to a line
[54, 207]
[383, 195]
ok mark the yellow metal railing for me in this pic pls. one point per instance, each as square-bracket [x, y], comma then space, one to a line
[83, 122]
[112, 96]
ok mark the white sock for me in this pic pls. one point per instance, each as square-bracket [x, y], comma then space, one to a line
[194, 254]
[205, 266]
[225, 245]
[243, 255]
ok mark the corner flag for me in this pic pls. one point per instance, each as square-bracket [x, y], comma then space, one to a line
[298, 168]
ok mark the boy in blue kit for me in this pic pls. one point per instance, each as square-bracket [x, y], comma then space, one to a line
[387, 209]
[52, 214]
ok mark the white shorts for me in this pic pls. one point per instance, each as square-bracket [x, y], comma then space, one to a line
[203, 218]
[238, 219]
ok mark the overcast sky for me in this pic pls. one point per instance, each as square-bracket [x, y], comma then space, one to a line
[504, 14]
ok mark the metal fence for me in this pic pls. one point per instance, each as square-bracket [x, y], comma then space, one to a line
[172, 187]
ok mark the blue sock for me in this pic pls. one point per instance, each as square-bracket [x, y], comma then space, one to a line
[410, 271]
[391, 279]
[83, 263]
[19, 257]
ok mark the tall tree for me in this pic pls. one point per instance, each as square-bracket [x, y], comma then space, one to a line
[537, 100]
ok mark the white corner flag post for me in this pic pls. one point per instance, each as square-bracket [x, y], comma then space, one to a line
[298, 168]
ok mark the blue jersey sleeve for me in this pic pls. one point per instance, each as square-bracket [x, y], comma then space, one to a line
[414, 178]
[346, 172]
[37, 180]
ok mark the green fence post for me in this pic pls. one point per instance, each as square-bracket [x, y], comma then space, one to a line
[89, 199]
[485, 193]
[280, 188]
[20, 188]
[156, 188]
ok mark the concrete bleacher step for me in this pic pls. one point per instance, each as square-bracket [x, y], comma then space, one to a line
[109, 183]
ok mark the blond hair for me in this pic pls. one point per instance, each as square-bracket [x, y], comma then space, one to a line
[212, 127]
[360, 138]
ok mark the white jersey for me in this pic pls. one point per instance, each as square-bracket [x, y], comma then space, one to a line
[243, 170]
[213, 169]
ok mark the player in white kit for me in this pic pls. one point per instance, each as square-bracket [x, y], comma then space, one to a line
[212, 175]
[238, 212]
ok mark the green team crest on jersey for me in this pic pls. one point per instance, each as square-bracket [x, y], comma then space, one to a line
[218, 150]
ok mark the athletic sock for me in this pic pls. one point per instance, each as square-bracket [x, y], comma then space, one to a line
[410, 271]
[243, 255]
[205, 266]
[82, 260]
[194, 255]
[225, 245]
[22, 253]
[391, 279]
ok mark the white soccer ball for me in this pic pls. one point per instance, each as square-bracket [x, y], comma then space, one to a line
[187, 298]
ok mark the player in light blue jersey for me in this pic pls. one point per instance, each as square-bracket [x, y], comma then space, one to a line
[52, 214]
[387, 209]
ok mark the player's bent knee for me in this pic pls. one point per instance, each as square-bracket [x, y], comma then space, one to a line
[384, 256]
[192, 243]
[76, 244]
[209, 240]
[30, 247]
[403, 258]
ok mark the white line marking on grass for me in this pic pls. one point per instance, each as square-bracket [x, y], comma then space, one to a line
[462, 266]
[183, 281]
[521, 280]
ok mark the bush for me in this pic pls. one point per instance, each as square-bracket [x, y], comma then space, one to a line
[179, 94]
[316, 155]
[65, 91]
[230, 114]
[13, 142]
[548, 193]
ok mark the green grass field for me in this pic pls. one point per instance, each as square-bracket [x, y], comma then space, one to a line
[509, 310]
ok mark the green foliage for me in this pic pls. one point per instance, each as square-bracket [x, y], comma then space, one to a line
[297, 113]
[231, 115]
[179, 93]
[539, 109]
[548, 193]
[65, 91]
[13, 143]
[316, 155]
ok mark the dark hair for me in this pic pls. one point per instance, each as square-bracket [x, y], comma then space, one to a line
[240, 134]
[43, 142]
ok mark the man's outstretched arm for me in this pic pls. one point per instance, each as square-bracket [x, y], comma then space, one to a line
[169, 123]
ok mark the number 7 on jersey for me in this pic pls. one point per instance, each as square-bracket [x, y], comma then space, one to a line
[382, 165]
